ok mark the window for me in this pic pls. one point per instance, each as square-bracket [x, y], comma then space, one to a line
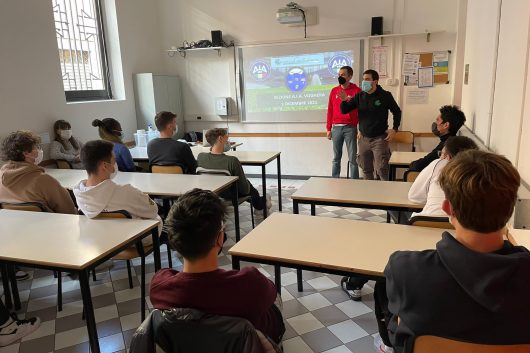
[82, 54]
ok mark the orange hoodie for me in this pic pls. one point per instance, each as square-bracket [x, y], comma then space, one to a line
[26, 182]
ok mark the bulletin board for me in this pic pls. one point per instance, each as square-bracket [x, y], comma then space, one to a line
[439, 60]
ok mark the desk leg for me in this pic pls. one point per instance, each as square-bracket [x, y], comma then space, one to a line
[295, 207]
[264, 182]
[236, 264]
[236, 211]
[7, 290]
[299, 280]
[140, 249]
[278, 278]
[89, 312]
[313, 209]
[156, 249]
[14, 286]
[279, 173]
[391, 173]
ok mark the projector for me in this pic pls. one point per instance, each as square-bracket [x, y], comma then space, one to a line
[289, 16]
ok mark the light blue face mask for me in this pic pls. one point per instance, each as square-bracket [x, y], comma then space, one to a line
[366, 85]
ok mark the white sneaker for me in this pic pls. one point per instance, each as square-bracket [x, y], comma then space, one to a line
[380, 345]
[268, 201]
[13, 330]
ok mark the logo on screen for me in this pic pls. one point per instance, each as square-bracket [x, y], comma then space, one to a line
[337, 62]
[260, 70]
[296, 79]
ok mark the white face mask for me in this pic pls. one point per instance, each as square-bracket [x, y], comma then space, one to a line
[115, 172]
[176, 129]
[39, 157]
[65, 134]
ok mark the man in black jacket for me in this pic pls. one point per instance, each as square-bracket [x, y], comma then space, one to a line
[373, 104]
[447, 124]
[474, 286]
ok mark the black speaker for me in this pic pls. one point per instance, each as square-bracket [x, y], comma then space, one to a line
[217, 39]
[377, 26]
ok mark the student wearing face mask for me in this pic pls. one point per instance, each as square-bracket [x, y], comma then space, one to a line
[343, 127]
[65, 146]
[447, 124]
[167, 151]
[99, 193]
[373, 104]
[22, 180]
[110, 130]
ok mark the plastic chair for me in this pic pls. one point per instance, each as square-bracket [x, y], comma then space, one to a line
[431, 222]
[241, 199]
[410, 175]
[63, 164]
[166, 169]
[405, 138]
[434, 344]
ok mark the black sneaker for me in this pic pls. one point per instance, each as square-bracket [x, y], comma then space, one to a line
[21, 276]
[349, 287]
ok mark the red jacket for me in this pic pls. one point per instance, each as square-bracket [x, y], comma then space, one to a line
[334, 114]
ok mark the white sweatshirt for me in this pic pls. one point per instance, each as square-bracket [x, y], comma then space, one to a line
[426, 189]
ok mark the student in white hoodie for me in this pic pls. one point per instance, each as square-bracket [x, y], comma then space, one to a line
[99, 193]
[426, 188]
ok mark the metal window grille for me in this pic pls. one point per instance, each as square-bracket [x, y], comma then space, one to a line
[82, 54]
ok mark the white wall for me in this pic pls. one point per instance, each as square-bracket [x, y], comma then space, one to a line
[205, 76]
[31, 89]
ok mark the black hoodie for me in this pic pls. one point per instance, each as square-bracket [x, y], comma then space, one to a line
[455, 292]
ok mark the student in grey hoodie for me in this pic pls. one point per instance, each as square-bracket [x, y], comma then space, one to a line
[99, 193]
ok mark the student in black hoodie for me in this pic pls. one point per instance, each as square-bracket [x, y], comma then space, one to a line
[447, 124]
[373, 104]
[474, 286]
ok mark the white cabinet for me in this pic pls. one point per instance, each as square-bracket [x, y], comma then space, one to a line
[154, 93]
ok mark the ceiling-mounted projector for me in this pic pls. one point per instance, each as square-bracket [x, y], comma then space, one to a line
[290, 14]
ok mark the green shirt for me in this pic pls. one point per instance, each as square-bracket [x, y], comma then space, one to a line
[230, 163]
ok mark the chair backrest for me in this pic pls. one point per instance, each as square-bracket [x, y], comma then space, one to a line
[405, 138]
[63, 164]
[23, 206]
[114, 214]
[410, 175]
[166, 169]
[434, 344]
[201, 170]
[431, 222]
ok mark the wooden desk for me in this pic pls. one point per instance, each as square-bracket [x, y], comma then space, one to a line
[248, 158]
[169, 185]
[330, 245]
[400, 159]
[374, 194]
[70, 243]
[519, 237]
[139, 154]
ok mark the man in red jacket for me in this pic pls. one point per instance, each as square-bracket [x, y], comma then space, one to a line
[343, 127]
[195, 227]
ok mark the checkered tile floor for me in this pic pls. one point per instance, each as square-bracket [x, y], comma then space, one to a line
[320, 319]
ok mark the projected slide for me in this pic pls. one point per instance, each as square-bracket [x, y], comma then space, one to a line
[292, 82]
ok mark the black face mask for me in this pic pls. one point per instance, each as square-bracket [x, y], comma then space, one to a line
[434, 129]
[342, 80]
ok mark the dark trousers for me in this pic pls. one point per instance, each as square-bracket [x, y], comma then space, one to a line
[258, 202]
[4, 313]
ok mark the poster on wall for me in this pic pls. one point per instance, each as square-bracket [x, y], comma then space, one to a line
[439, 60]
[425, 77]
[380, 60]
[411, 62]
[417, 96]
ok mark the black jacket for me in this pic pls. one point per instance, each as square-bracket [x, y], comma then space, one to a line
[457, 293]
[190, 330]
[420, 164]
[373, 111]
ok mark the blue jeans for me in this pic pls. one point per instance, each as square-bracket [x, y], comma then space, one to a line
[339, 135]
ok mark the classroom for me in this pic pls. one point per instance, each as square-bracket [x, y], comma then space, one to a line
[280, 131]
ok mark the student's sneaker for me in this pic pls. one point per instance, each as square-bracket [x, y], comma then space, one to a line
[380, 345]
[353, 293]
[14, 329]
[21, 275]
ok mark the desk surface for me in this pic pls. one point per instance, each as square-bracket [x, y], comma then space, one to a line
[520, 237]
[245, 157]
[405, 158]
[363, 192]
[153, 184]
[65, 241]
[332, 243]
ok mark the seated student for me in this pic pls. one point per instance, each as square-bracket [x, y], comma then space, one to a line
[22, 180]
[447, 124]
[195, 228]
[11, 330]
[216, 159]
[65, 146]
[426, 189]
[474, 286]
[99, 193]
[167, 151]
[110, 130]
